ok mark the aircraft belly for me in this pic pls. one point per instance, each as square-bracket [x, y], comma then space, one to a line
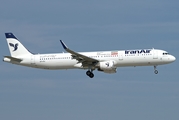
[68, 64]
[138, 61]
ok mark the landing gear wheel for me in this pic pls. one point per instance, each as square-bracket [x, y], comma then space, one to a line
[156, 71]
[90, 74]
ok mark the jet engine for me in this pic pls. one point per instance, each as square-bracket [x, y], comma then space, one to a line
[107, 66]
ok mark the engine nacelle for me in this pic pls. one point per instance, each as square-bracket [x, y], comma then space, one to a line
[110, 71]
[107, 66]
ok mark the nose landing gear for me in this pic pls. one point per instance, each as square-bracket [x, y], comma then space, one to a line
[155, 70]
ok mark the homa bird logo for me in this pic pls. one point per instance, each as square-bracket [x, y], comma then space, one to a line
[107, 64]
[15, 46]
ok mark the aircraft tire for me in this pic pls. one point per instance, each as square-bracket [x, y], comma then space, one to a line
[91, 75]
[156, 71]
[88, 73]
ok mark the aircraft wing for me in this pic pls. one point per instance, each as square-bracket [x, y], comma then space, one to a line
[85, 60]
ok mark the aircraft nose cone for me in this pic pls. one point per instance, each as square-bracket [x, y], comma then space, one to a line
[172, 58]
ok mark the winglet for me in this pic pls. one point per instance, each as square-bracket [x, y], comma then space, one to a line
[10, 35]
[63, 44]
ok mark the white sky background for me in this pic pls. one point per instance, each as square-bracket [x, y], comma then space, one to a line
[132, 93]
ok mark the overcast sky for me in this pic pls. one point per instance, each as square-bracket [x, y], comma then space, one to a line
[130, 94]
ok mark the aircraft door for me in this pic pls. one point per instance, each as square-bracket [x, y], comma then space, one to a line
[155, 54]
[120, 55]
[32, 59]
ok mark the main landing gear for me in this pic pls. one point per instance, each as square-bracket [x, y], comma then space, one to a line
[90, 74]
[155, 70]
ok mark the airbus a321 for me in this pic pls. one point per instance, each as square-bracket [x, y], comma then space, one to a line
[104, 61]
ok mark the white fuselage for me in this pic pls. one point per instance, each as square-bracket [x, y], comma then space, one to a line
[104, 61]
[146, 57]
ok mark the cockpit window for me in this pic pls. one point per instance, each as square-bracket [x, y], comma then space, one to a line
[165, 53]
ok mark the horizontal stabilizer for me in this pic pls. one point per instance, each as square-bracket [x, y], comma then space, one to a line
[9, 59]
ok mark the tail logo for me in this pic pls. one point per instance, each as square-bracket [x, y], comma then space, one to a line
[15, 46]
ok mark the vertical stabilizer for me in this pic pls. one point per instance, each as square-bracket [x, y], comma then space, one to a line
[15, 47]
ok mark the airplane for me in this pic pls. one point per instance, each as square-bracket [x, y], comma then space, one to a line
[104, 61]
